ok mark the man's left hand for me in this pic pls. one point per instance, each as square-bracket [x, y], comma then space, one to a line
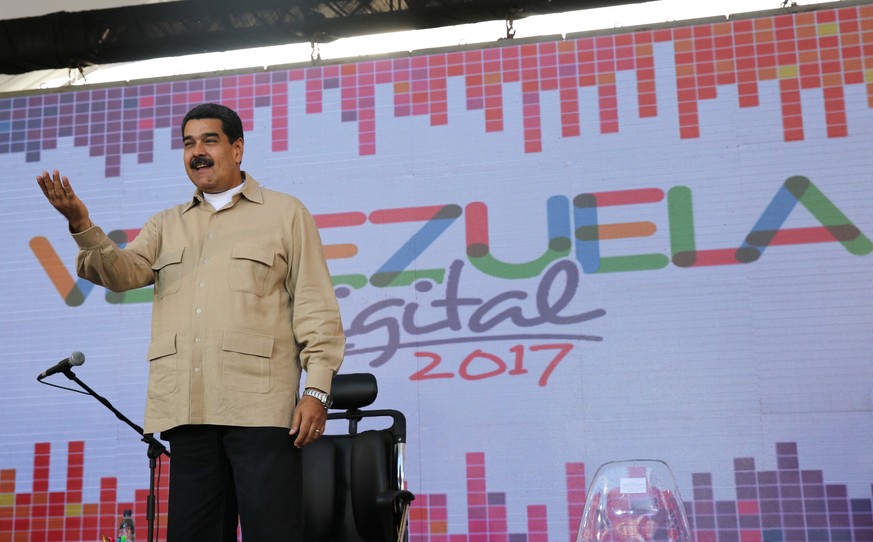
[308, 421]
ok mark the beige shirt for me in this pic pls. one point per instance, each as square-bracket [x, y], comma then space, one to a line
[242, 302]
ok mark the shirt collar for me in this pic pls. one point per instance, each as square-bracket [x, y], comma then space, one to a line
[251, 191]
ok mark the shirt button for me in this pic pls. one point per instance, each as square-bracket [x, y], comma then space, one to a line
[197, 339]
[196, 369]
[202, 284]
[198, 311]
[212, 236]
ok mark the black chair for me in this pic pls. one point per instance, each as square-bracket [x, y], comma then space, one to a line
[353, 483]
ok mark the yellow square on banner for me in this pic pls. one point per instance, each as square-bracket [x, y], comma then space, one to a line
[827, 29]
[788, 72]
[74, 510]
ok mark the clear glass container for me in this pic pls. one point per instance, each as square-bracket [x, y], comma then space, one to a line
[634, 501]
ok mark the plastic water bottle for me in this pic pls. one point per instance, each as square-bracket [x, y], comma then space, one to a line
[126, 530]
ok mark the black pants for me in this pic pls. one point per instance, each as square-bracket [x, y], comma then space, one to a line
[219, 473]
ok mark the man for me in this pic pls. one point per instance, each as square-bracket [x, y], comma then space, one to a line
[242, 302]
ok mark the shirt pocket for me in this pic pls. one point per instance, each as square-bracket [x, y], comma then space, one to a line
[250, 268]
[163, 365]
[168, 272]
[245, 361]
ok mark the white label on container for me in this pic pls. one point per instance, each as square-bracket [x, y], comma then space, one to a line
[632, 485]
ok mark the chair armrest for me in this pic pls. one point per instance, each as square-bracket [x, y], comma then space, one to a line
[389, 498]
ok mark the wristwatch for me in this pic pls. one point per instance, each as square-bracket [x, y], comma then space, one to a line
[325, 398]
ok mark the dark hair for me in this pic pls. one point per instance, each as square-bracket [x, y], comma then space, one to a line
[231, 124]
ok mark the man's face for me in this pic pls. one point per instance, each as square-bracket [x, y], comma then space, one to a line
[211, 160]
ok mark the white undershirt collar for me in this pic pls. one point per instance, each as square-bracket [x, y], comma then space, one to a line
[221, 199]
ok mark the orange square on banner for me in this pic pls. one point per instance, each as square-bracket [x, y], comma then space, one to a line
[401, 88]
[722, 29]
[494, 114]
[439, 527]
[492, 78]
[682, 33]
[767, 73]
[808, 57]
[763, 36]
[850, 39]
[832, 80]
[606, 79]
[686, 70]
[804, 19]
[566, 47]
[683, 46]
[762, 24]
[644, 49]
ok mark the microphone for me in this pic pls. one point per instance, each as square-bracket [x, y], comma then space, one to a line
[75, 359]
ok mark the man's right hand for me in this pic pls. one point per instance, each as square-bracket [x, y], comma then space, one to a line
[60, 194]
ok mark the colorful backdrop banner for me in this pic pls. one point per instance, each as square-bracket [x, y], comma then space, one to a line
[642, 244]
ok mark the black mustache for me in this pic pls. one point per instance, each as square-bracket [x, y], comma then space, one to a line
[198, 161]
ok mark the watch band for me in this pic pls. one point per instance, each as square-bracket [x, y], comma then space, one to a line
[325, 398]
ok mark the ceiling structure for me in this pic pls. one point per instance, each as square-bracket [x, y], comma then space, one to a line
[75, 40]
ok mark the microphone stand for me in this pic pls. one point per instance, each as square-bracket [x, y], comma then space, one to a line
[155, 449]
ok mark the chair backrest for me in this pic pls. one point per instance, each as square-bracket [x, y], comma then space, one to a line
[352, 480]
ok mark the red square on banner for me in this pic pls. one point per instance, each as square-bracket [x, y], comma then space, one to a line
[477, 499]
[663, 35]
[747, 507]
[533, 146]
[689, 132]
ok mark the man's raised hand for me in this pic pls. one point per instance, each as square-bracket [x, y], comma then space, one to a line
[59, 192]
